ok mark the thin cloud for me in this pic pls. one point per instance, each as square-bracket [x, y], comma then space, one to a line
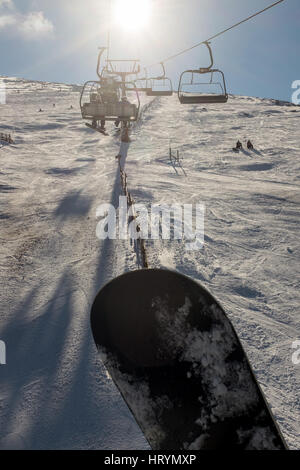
[6, 4]
[33, 25]
[6, 20]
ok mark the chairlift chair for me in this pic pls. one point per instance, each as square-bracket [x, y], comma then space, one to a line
[105, 99]
[162, 82]
[203, 98]
[141, 85]
[95, 108]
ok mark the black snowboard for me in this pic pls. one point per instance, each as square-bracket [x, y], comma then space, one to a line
[178, 363]
[98, 129]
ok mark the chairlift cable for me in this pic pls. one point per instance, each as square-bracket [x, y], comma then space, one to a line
[217, 35]
[109, 29]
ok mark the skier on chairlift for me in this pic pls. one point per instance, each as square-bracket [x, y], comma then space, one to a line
[117, 121]
[108, 91]
[109, 94]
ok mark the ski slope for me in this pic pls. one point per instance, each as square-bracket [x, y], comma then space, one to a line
[54, 391]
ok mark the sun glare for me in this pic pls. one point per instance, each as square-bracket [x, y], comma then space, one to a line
[132, 15]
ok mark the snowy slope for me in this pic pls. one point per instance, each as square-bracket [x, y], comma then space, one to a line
[54, 392]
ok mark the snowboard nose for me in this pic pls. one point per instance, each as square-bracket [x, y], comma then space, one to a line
[178, 363]
[142, 314]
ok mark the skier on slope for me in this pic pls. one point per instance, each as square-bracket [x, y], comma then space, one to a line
[250, 145]
[125, 135]
[239, 145]
[125, 141]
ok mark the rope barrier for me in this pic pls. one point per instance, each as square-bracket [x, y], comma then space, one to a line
[133, 217]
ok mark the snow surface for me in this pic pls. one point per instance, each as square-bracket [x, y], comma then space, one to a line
[54, 390]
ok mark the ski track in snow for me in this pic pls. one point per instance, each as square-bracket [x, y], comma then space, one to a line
[54, 391]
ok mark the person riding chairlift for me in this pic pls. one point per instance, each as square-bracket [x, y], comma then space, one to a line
[109, 94]
[117, 121]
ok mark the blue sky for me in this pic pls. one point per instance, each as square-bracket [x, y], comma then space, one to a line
[57, 40]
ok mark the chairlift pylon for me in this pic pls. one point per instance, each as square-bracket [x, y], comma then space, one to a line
[186, 97]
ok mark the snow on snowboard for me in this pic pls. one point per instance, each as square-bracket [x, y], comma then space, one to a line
[178, 363]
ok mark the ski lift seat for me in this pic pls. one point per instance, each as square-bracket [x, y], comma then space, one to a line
[191, 97]
[124, 110]
[159, 93]
[97, 110]
[144, 90]
[204, 99]
[160, 86]
[101, 100]
[186, 97]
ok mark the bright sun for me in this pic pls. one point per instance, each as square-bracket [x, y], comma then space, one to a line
[131, 15]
